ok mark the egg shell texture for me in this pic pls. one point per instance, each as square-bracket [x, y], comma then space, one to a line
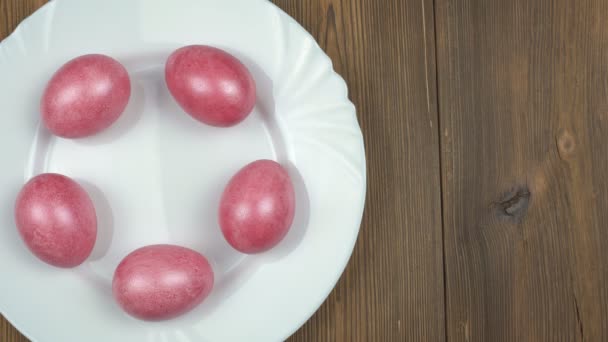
[85, 96]
[211, 85]
[257, 207]
[160, 282]
[56, 219]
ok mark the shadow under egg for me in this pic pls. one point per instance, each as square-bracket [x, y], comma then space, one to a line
[105, 220]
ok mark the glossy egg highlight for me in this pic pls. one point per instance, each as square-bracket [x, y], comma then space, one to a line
[160, 282]
[210, 85]
[257, 207]
[56, 219]
[85, 96]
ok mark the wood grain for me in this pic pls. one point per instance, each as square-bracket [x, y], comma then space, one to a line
[523, 103]
[392, 289]
[8, 333]
[12, 12]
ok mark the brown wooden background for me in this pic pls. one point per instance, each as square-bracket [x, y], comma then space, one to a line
[486, 129]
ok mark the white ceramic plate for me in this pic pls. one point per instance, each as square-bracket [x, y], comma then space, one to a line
[156, 175]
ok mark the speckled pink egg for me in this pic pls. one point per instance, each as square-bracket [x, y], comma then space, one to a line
[85, 96]
[210, 84]
[56, 219]
[257, 207]
[160, 282]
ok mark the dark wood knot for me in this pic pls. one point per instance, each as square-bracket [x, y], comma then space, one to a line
[513, 205]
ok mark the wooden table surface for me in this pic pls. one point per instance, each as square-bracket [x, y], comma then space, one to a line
[486, 130]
